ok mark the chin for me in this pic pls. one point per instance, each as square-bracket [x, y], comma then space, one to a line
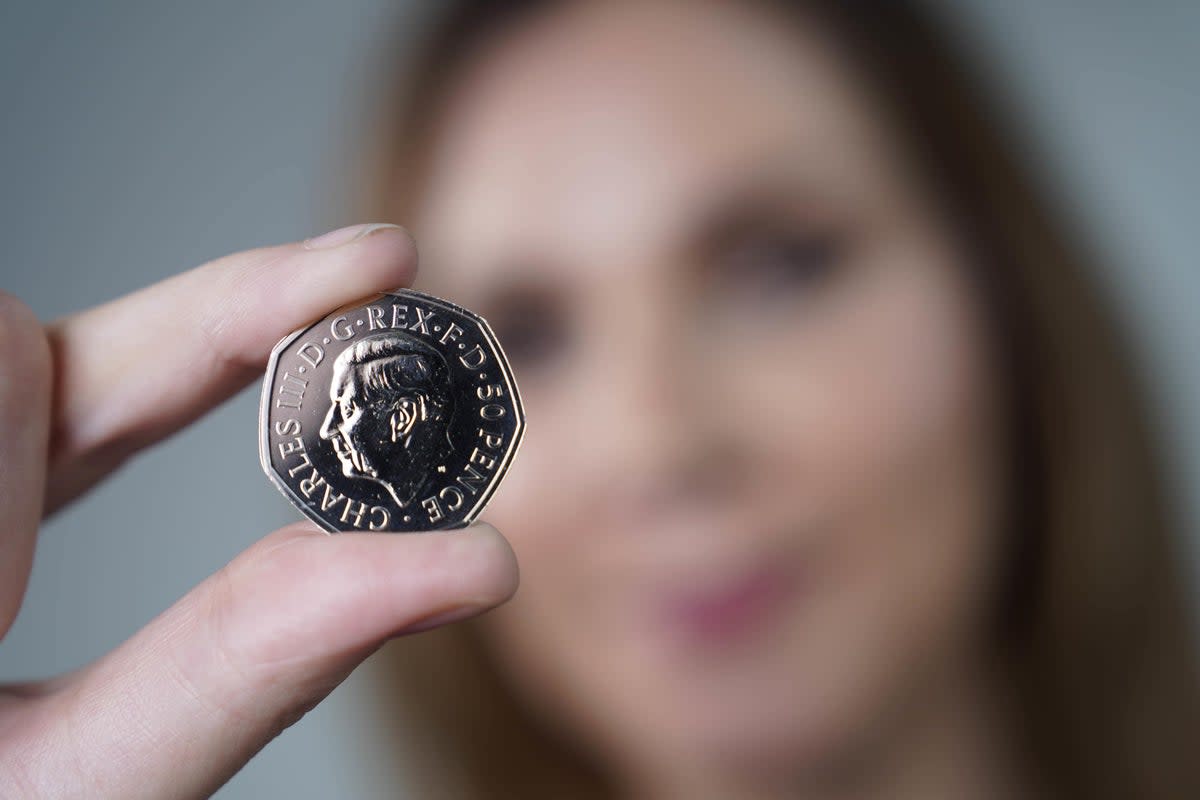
[799, 707]
[780, 733]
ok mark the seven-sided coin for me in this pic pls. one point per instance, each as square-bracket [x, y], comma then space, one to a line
[396, 414]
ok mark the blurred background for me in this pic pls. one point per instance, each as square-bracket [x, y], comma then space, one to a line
[143, 138]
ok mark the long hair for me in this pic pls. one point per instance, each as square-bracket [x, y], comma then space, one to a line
[1096, 631]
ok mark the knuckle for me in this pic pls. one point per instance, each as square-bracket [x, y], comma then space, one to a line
[27, 768]
[221, 699]
[13, 309]
[227, 283]
[253, 607]
[258, 674]
[226, 611]
[26, 364]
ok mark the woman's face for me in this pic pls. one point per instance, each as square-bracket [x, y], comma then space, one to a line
[754, 506]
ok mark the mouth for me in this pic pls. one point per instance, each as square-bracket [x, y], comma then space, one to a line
[344, 454]
[722, 611]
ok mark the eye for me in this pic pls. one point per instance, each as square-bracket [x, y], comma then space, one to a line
[773, 267]
[532, 327]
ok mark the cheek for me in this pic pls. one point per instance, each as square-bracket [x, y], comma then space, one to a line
[543, 510]
[367, 431]
[881, 388]
[537, 509]
[546, 483]
[890, 458]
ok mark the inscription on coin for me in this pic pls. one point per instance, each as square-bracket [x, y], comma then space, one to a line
[398, 414]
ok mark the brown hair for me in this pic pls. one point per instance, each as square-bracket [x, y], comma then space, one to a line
[1097, 630]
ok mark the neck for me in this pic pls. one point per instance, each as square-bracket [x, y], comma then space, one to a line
[952, 741]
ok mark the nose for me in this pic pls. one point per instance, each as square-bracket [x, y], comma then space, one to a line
[661, 453]
[329, 426]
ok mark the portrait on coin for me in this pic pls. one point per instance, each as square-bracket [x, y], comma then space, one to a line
[389, 412]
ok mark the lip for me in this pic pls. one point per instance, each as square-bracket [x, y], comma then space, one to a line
[341, 451]
[731, 608]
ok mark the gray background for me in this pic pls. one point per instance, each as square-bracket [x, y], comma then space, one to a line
[141, 138]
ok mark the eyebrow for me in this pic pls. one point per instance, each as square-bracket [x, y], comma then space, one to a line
[769, 192]
[758, 198]
[514, 281]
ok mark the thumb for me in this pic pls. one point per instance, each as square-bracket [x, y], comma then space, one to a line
[180, 707]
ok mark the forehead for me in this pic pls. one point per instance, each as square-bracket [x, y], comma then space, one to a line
[608, 124]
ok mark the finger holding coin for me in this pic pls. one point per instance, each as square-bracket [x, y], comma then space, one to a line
[183, 704]
[133, 370]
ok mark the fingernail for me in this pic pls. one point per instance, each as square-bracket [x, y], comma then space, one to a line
[346, 235]
[443, 618]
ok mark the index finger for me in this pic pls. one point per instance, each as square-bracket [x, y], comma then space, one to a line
[132, 371]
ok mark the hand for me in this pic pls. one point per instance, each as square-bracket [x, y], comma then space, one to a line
[179, 708]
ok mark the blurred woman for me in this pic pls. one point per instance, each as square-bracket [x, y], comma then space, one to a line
[837, 482]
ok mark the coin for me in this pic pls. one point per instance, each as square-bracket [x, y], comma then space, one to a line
[396, 414]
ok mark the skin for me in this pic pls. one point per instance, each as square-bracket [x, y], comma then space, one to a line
[180, 707]
[756, 507]
[756, 503]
